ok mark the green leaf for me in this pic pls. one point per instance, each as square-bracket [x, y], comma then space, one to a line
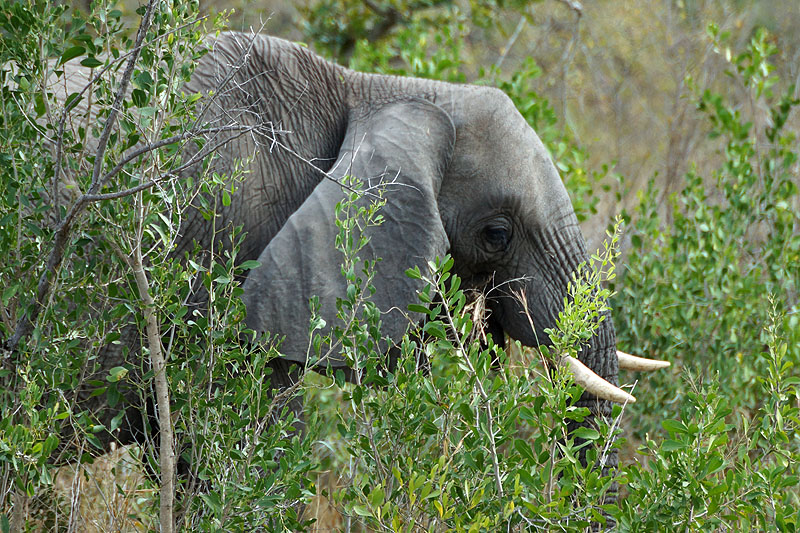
[417, 308]
[466, 412]
[117, 420]
[670, 445]
[586, 433]
[91, 62]
[524, 450]
[117, 373]
[94, 441]
[9, 292]
[674, 426]
[39, 106]
[139, 98]
[196, 266]
[435, 329]
[376, 496]
[414, 273]
[212, 501]
[361, 510]
[72, 100]
[71, 53]
[50, 444]
[250, 265]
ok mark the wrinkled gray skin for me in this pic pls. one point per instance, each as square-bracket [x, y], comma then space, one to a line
[476, 183]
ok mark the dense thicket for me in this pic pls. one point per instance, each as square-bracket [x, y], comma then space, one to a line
[691, 139]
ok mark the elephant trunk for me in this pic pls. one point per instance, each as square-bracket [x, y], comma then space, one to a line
[531, 305]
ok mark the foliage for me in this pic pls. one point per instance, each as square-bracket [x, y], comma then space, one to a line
[339, 26]
[694, 291]
[105, 203]
[438, 438]
[463, 447]
[713, 287]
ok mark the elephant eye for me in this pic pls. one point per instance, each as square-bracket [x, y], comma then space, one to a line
[497, 237]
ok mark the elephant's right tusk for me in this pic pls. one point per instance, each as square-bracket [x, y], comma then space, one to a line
[639, 364]
[594, 384]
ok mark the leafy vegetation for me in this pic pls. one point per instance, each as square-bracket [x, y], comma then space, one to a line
[709, 282]
[715, 290]
[88, 214]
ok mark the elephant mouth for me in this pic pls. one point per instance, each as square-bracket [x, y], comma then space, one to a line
[491, 319]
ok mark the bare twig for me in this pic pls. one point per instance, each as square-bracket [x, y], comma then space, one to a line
[59, 140]
[510, 44]
[191, 134]
[574, 5]
[75, 496]
[158, 362]
[19, 509]
[25, 323]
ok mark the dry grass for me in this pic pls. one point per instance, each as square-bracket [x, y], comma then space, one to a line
[111, 495]
[327, 517]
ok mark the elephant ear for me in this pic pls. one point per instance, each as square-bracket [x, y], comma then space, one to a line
[400, 149]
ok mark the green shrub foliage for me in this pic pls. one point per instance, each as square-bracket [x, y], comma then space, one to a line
[105, 201]
[711, 284]
[443, 440]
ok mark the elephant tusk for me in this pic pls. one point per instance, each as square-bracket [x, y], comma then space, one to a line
[594, 384]
[633, 362]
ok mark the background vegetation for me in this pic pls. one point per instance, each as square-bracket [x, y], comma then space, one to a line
[679, 116]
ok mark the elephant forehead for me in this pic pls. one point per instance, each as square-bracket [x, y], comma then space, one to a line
[506, 164]
[495, 139]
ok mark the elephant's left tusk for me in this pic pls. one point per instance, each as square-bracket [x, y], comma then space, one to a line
[594, 384]
[632, 362]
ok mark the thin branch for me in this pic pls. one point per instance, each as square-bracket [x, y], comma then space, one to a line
[166, 449]
[67, 109]
[25, 323]
[122, 194]
[75, 495]
[574, 5]
[510, 44]
[166, 142]
[102, 142]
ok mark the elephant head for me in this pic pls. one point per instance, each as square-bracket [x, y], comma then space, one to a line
[461, 172]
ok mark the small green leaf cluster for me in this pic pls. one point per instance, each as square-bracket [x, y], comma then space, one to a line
[585, 305]
[711, 474]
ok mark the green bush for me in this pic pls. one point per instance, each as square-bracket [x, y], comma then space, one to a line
[463, 447]
[74, 211]
[712, 285]
[710, 282]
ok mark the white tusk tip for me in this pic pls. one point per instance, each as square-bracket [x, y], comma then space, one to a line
[639, 364]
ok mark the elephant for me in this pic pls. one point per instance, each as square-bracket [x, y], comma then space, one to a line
[461, 173]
